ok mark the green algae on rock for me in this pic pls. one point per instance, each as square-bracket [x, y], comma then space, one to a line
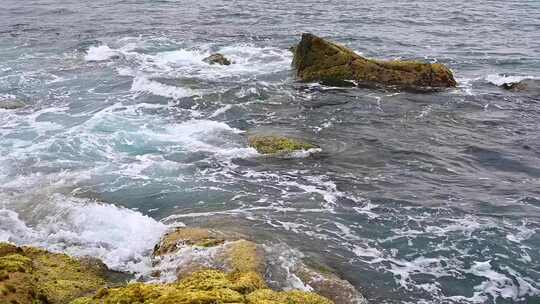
[244, 256]
[229, 253]
[278, 144]
[316, 59]
[35, 276]
[202, 287]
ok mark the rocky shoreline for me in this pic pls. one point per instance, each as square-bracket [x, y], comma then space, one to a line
[232, 270]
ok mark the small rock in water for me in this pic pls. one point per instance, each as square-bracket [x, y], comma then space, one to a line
[11, 104]
[217, 58]
[316, 59]
[271, 144]
[528, 86]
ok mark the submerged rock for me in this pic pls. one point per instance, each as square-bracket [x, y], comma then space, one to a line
[316, 59]
[329, 285]
[11, 104]
[527, 86]
[217, 58]
[278, 144]
[35, 276]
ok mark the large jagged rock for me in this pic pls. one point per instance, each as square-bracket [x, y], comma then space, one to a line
[316, 59]
[270, 144]
[33, 276]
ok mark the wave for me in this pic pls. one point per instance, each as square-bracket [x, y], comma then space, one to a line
[500, 79]
[122, 238]
[100, 53]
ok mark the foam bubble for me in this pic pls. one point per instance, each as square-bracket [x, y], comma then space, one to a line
[100, 53]
[142, 84]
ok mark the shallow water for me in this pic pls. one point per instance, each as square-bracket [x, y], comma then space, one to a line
[416, 198]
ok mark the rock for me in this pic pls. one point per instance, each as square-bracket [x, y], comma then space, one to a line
[35, 276]
[217, 59]
[207, 286]
[316, 59]
[278, 144]
[329, 285]
[193, 249]
[267, 296]
[527, 86]
[182, 237]
[11, 104]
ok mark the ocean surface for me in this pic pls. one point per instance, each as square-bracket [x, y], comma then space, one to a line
[415, 197]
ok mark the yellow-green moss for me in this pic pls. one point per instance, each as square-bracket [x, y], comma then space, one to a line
[277, 144]
[246, 282]
[203, 287]
[15, 263]
[244, 256]
[267, 296]
[316, 59]
[36, 276]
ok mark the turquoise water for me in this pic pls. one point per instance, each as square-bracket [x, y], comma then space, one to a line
[416, 198]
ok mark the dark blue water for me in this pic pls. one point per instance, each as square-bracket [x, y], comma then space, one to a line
[415, 198]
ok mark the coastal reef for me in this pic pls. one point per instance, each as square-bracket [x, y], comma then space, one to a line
[316, 59]
[233, 270]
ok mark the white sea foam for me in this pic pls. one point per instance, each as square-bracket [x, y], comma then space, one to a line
[122, 238]
[221, 110]
[499, 79]
[143, 84]
[100, 53]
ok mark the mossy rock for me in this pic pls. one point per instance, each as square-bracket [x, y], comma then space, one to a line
[35, 276]
[278, 144]
[244, 256]
[182, 237]
[316, 59]
[267, 296]
[203, 287]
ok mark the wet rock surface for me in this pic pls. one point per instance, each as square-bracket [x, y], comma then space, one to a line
[217, 59]
[316, 59]
[526, 86]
